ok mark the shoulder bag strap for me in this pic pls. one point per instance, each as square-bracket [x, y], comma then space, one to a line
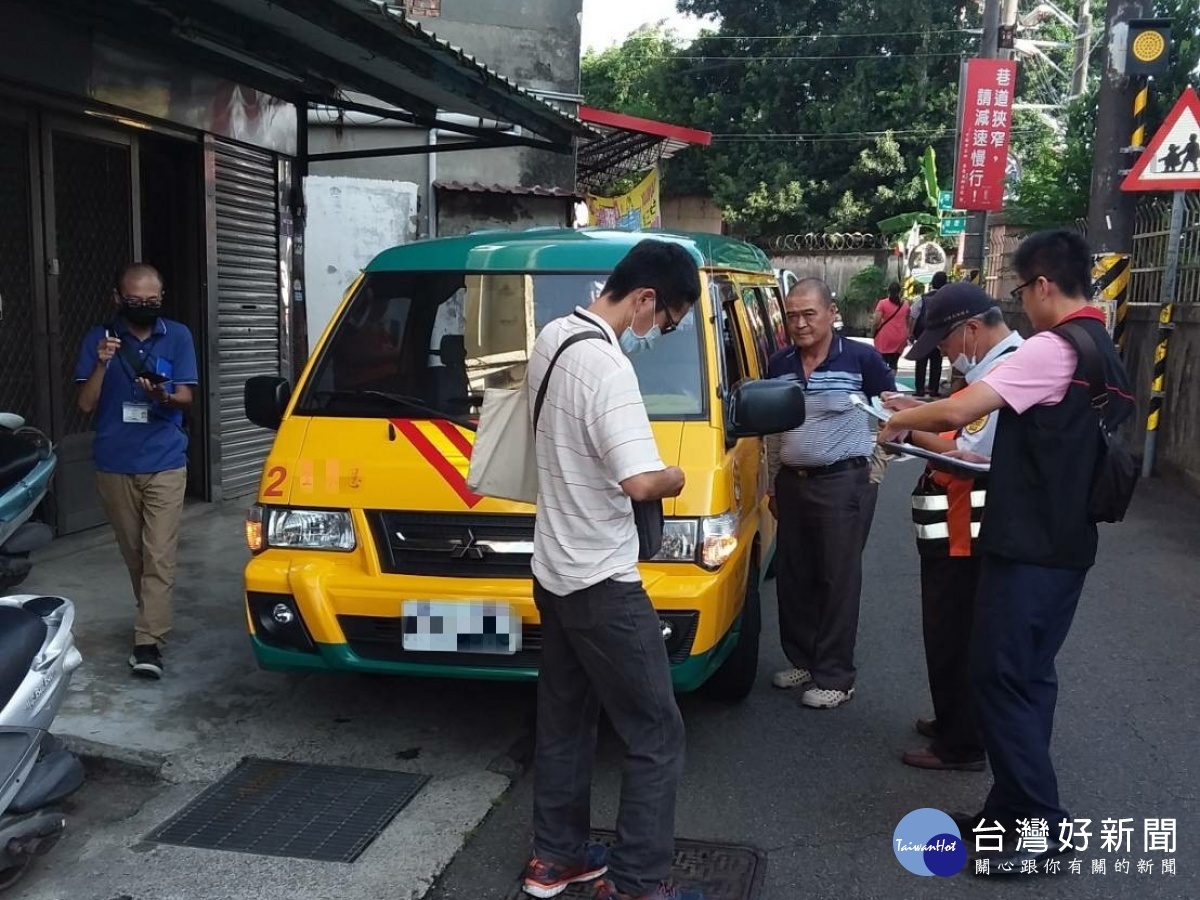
[573, 339]
[892, 316]
[1089, 355]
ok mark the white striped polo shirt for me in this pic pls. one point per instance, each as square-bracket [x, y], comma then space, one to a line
[592, 435]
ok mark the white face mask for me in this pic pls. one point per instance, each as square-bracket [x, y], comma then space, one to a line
[633, 343]
[964, 363]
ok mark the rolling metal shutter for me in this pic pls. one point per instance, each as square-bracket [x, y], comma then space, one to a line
[248, 304]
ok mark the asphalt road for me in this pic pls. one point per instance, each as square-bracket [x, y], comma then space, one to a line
[821, 792]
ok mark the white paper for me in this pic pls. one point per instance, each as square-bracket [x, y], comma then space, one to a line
[874, 408]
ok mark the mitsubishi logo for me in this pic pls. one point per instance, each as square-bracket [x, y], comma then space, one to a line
[468, 550]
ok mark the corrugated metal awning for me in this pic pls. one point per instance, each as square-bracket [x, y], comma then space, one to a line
[316, 51]
[475, 187]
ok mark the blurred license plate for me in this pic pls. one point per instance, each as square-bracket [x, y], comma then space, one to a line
[433, 626]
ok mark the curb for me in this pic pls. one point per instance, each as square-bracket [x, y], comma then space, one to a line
[107, 760]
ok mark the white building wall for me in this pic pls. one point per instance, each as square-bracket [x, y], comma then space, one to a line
[350, 220]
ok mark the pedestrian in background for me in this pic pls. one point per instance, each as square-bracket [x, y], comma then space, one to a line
[947, 509]
[602, 642]
[891, 326]
[1038, 537]
[820, 487]
[136, 375]
[928, 382]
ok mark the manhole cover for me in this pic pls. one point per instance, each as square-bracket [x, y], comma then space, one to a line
[274, 808]
[721, 871]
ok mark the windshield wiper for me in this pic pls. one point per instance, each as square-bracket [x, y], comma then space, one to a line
[414, 403]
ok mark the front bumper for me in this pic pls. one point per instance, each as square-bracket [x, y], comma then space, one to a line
[348, 620]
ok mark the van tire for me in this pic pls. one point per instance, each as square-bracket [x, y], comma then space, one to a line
[737, 675]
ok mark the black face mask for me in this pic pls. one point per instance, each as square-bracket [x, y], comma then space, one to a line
[140, 315]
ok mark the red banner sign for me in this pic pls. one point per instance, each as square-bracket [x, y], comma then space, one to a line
[989, 90]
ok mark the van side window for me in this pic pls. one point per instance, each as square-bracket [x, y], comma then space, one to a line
[732, 356]
[775, 314]
[758, 326]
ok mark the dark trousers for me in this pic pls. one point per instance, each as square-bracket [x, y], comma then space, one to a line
[931, 365]
[819, 570]
[948, 587]
[892, 359]
[1022, 617]
[603, 647]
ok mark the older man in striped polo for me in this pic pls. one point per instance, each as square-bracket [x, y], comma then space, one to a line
[821, 494]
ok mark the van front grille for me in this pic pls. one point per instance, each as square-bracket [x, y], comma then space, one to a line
[456, 546]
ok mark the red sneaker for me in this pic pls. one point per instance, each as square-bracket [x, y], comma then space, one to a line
[547, 879]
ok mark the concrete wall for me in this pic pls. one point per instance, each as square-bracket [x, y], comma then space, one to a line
[461, 212]
[692, 214]
[350, 220]
[836, 268]
[534, 43]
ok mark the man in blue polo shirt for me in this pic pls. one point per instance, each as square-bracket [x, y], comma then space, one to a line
[136, 374]
[820, 491]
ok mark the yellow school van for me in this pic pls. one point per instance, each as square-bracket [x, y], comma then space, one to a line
[364, 523]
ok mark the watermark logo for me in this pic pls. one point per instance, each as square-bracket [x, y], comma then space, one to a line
[927, 842]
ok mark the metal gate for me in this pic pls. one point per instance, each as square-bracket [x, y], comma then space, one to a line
[248, 305]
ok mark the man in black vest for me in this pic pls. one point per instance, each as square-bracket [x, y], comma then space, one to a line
[1037, 537]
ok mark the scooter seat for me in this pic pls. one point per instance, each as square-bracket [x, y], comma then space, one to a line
[22, 634]
[18, 457]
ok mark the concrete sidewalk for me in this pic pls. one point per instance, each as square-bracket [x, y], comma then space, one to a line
[215, 706]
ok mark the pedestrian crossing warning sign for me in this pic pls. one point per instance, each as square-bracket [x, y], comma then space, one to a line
[1172, 161]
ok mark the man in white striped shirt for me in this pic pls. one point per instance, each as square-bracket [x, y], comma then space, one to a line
[601, 639]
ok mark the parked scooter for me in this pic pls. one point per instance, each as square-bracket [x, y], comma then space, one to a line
[27, 464]
[37, 657]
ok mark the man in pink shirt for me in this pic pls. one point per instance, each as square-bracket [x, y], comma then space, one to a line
[891, 326]
[1037, 537]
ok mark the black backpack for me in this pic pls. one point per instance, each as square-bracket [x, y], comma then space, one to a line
[1116, 474]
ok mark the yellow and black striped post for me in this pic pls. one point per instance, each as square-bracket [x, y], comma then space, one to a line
[1140, 100]
[1110, 291]
[1158, 383]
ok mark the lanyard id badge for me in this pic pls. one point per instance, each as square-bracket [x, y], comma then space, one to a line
[135, 413]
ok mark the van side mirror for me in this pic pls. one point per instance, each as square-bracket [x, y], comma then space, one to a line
[764, 407]
[265, 398]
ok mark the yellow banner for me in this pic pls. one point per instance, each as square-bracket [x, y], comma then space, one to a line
[635, 210]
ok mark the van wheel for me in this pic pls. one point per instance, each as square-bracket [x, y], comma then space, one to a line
[735, 679]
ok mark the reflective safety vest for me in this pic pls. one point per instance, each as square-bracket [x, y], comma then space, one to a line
[947, 512]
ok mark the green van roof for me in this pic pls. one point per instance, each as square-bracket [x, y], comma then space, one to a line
[558, 250]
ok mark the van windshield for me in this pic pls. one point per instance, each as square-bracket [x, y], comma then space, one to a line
[426, 344]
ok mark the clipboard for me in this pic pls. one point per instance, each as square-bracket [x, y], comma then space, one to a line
[951, 464]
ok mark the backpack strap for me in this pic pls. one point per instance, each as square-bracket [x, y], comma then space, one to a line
[1089, 356]
[573, 339]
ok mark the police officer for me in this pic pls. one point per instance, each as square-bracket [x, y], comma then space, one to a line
[967, 327]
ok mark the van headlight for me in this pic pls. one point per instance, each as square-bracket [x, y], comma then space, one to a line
[708, 542]
[299, 529]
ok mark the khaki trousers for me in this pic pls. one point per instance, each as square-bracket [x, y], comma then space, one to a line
[145, 511]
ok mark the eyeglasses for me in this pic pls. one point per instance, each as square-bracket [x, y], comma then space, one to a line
[1015, 293]
[672, 324]
[141, 301]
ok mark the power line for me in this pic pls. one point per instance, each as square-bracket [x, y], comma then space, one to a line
[821, 37]
[822, 57]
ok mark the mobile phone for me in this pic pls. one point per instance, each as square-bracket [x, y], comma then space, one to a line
[154, 377]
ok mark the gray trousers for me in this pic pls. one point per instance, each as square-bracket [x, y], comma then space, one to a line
[603, 647]
[822, 525]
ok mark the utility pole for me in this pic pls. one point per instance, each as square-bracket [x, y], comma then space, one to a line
[975, 236]
[1110, 212]
[1083, 49]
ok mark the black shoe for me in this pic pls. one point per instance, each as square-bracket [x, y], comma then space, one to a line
[146, 661]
